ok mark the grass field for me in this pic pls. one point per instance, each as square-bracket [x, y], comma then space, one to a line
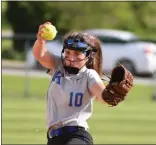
[23, 118]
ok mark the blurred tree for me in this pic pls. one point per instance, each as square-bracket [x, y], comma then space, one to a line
[145, 15]
[25, 17]
[4, 22]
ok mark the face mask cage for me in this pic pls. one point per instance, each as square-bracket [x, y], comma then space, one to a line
[77, 46]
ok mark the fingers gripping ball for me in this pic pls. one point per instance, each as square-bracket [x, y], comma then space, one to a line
[48, 32]
[119, 86]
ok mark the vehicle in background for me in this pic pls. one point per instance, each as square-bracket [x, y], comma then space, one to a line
[125, 47]
[139, 57]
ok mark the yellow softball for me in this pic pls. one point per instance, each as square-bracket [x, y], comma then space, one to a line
[49, 32]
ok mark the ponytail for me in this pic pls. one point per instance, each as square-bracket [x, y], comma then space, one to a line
[96, 59]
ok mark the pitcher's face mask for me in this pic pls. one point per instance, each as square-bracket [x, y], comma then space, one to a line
[80, 47]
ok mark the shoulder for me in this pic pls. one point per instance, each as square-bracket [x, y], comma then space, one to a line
[92, 73]
[58, 64]
[93, 77]
[57, 58]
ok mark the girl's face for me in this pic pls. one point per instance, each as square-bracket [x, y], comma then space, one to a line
[75, 58]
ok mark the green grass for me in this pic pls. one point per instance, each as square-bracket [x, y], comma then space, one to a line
[23, 118]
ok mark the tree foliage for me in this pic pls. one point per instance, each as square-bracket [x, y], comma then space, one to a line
[26, 16]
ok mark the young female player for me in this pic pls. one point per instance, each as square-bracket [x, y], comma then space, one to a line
[75, 82]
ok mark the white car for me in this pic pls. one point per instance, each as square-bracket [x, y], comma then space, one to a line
[117, 46]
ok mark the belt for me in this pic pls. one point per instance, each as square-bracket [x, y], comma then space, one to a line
[63, 130]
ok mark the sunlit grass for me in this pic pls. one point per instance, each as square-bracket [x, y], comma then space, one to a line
[23, 118]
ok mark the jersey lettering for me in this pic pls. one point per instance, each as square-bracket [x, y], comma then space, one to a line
[57, 77]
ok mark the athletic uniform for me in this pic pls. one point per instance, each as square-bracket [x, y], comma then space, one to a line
[69, 105]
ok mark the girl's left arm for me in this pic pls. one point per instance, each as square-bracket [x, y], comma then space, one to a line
[97, 90]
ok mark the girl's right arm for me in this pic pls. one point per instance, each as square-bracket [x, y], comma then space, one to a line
[40, 52]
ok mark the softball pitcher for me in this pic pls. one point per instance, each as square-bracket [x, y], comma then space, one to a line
[75, 82]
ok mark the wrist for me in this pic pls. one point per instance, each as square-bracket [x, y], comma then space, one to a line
[41, 41]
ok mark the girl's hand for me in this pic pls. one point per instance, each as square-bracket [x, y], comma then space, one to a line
[39, 38]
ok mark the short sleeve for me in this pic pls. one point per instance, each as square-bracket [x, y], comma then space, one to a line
[58, 61]
[58, 64]
[93, 77]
